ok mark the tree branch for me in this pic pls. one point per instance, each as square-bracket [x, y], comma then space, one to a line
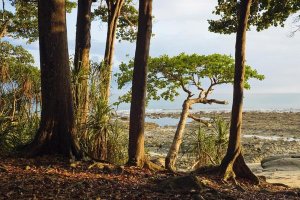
[3, 28]
[205, 122]
[207, 101]
[185, 89]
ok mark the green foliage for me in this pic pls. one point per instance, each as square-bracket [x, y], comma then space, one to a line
[19, 132]
[208, 145]
[263, 14]
[19, 96]
[19, 79]
[168, 75]
[101, 127]
[127, 23]
[23, 21]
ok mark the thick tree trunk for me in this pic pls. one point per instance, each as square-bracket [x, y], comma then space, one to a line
[106, 70]
[233, 164]
[82, 59]
[56, 131]
[174, 149]
[139, 85]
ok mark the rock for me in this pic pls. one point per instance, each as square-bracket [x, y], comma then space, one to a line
[281, 163]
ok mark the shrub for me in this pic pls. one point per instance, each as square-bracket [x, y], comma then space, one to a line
[208, 145]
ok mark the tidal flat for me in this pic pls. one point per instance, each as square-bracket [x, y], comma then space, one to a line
[264, 134]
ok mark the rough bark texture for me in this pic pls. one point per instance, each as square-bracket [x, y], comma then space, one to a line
[139, 85]
[82, 59]
[56, 131]
[114, 9]
[233, 164]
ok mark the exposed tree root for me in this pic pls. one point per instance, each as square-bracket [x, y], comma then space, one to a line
[236, 168]
[44, 143]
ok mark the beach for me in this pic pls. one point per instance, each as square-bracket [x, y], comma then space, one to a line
[264, 134]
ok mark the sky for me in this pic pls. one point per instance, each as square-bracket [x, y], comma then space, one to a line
[181, 26]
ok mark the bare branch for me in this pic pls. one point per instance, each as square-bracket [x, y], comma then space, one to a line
[205, 122]
[128, 21]
[196, 83]
[207, 101]
[185, 89]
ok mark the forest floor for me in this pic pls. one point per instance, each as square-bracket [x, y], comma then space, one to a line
[57, 178]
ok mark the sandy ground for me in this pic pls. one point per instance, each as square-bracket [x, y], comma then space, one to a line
[264, 134]
[290, 178]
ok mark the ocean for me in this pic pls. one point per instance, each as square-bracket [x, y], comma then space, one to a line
[252, 102]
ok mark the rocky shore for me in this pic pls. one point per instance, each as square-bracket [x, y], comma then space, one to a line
[265, 134]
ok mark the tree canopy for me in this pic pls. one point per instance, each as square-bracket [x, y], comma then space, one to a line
[190, 73]
[23, 20]
[263, 14]
[128, 20]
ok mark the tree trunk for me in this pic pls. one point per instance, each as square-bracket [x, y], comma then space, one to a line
[233, 164]
[174, 149]
[56, 131]
[106, 69]
[3, 29]
[114, 9]
[139, 85]
[82, 60]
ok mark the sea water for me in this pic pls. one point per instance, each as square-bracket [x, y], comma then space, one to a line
[252, 102]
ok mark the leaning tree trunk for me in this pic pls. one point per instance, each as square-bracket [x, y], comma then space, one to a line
[82, 60]
[56, 131]
[114, 10]
[233, 164]
[139, 85]
[170, 160]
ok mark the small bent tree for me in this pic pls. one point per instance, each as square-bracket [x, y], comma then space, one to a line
[196, 75]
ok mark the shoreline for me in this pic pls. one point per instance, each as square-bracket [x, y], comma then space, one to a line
[265, 134]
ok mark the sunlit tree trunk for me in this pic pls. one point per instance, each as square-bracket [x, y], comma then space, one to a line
[56, 131]
[233, 164]
[82, 59]
[139, 85]
[114, 10]
[174, 149]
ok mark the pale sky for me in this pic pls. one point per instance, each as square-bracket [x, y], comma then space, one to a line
[181, 26]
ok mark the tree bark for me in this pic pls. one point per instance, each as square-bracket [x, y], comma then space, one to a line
[82, 60]
[171, 158]
[114, 10]
[174, 149]
[56, 131]
[233, 164]
[139, 85]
